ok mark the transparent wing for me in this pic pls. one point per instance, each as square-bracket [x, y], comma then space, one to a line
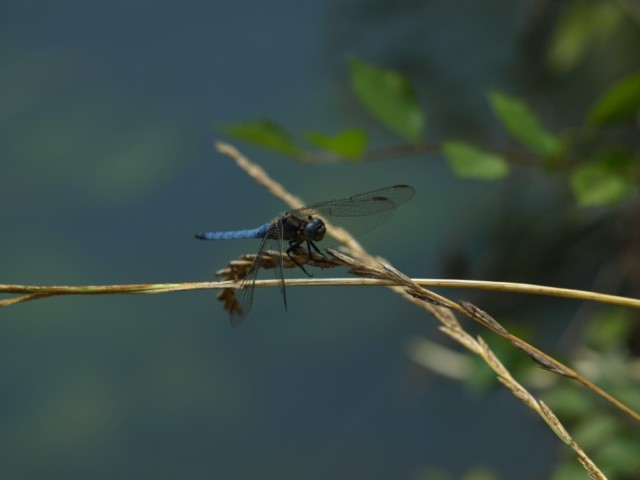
[361, 213]
[358, 214]
[279, 270]
[244, 294]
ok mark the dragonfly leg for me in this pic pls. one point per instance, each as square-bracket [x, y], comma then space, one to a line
[292, 246]
[311, 244]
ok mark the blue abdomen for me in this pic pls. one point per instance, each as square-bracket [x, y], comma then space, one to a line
[259, 232]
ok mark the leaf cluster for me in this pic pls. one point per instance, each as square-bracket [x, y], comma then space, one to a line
[600, 170]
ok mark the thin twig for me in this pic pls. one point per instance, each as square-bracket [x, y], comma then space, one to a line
[442, 308]
[434, 303]
[376, 271]
[35, 292]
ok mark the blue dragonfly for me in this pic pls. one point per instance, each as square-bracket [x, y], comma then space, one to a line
[358, 214]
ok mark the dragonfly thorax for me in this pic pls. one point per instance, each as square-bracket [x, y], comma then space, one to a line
[314, 229]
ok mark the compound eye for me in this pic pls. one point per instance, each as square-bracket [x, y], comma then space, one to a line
[313, 229]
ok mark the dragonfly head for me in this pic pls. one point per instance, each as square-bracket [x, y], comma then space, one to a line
[314, 230]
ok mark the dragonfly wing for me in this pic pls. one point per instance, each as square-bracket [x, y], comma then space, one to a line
[358, 214]
[278, 242]
[244, 295]
[361, 213]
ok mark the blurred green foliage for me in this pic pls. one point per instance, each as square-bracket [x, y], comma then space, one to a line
[390, 97]
[518, 119]
[603, 178]
[469, 161]
[349, 144]
[598, 156]
[264, 133]
[606, 179]
[583, 26]
[621, 103]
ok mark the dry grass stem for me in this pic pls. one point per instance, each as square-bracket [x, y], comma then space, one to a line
[371, 270]
[551, 419]
[438, 305]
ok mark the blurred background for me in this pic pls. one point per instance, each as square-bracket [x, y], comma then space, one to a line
[108, 113]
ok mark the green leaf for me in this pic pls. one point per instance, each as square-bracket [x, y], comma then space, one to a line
[468, 161]
[390, 97]
[350, 143]
[582, 26]
[518, 119]
[605, 180]
[610, 328]
[621, 454]
[264, 133]
[599, 430]
[480, 473]
[620, 103]
[570, 402]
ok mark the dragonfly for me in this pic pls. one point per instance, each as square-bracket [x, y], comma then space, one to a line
[358, 214]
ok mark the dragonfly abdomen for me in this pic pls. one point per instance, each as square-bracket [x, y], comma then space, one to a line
[259, 232]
